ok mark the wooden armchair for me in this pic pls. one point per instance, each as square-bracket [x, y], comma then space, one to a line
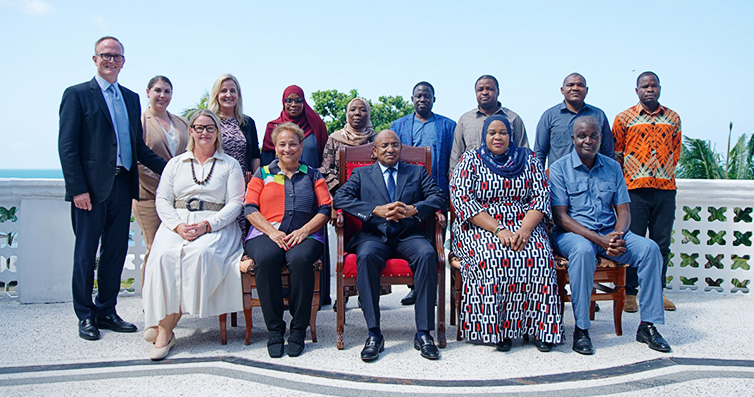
[249, 284]
[396, 270]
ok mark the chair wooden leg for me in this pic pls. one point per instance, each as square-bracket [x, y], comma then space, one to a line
[620, 287]
[341, 309]
[223, 335]
[233, 319]
[313, 318]
[247, 320]
[592, 307]
[452, 296]
[442, 340]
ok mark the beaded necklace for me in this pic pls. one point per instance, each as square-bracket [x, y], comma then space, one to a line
[202, 182]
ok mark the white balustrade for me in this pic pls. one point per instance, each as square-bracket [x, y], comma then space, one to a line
[711, 249]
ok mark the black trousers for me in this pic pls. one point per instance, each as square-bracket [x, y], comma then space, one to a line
[652, 210]
[269, 260]
[421, 256]
[110, 221]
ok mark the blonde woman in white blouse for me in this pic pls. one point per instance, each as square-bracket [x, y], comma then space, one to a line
[193, 267]
[167, 135]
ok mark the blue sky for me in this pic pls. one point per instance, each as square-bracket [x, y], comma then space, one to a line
[702, 51]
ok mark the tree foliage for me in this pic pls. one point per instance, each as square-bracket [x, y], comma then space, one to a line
[202, 104]
[331, 106]
[700, 161]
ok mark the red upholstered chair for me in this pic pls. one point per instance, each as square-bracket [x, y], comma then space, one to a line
[396, 270]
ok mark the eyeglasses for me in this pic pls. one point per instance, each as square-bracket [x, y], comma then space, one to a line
[291, 100]
[201, 128]
[112, 57]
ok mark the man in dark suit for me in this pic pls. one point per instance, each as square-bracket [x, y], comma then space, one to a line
[391, 199]
[99, 144]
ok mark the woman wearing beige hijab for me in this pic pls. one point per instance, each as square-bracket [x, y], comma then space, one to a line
[357, 131]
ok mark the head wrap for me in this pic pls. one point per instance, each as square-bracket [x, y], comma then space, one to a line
[512, 162]
[308, 120]
[351, 136]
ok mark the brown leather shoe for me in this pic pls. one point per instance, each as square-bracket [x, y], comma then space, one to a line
[629, 305]
[667, 304]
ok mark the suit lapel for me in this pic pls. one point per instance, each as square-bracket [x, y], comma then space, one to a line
[99, 98]
[403, 172]
[379, 181]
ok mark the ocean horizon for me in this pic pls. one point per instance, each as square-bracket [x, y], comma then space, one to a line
[31, 173]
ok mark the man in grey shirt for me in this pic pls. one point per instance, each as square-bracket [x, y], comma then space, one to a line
[553, 139]
[468, 133]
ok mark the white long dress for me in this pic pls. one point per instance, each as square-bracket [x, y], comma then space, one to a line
[199, 277]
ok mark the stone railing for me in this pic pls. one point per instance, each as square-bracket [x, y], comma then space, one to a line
[711, 249]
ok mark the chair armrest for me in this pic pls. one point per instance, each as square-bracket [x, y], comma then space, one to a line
[339, 221]
[440, 218]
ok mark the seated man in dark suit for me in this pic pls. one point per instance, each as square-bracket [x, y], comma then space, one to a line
[391, 199]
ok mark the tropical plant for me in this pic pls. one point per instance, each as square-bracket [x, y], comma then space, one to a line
[202, 104]
[331, 106]
[700, 161]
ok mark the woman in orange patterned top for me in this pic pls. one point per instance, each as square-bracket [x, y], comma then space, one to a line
[287, 204]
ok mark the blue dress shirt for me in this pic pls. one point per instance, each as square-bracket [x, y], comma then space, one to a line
[590, 195]
[553, 139]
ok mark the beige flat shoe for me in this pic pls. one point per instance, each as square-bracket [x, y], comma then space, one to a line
[150, 335]
[667, 304]
[158, 353]
[629, 305]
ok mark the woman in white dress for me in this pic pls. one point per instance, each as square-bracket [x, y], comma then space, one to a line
[193, 266]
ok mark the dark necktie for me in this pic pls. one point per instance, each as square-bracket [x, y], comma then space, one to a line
[391, 184]
[392, 226]
[121, 120]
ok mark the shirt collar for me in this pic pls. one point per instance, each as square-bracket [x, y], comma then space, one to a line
[640, 109]
[499, 110]
[431, 118]
[275, 168]
[563, 107]
[383, 168]
[104, 84]
[190, 155]
[576, 160]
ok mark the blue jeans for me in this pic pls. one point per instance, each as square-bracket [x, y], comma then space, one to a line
[641, 254]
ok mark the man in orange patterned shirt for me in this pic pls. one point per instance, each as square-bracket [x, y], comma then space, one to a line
[648, 145]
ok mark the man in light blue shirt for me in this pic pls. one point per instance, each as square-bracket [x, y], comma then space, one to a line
[553, 139]
[590, 206]
[424, 128]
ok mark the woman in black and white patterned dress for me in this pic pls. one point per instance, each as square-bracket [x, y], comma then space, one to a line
[501, 200]
[238, 131]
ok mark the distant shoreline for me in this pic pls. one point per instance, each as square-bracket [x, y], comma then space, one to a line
[30, 173]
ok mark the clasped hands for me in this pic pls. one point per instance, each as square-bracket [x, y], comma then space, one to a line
[514, 240]
[191, 232]
[395, 211]
[613, 243]
[288, 241]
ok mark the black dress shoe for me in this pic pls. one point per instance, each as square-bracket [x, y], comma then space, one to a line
[647, 333]
[410, 298]
[426, 345]
[87, 330]
[275, 346]
[505, 345]
[544, 347]
[582, 343]
[372, 348]
[296, 343]
[115, 323]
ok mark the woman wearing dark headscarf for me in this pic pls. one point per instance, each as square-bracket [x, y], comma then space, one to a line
[297, 111]
[501, 199]
[357, 131]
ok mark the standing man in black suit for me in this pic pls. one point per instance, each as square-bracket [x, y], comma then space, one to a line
[391, 199]
[99, 144]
